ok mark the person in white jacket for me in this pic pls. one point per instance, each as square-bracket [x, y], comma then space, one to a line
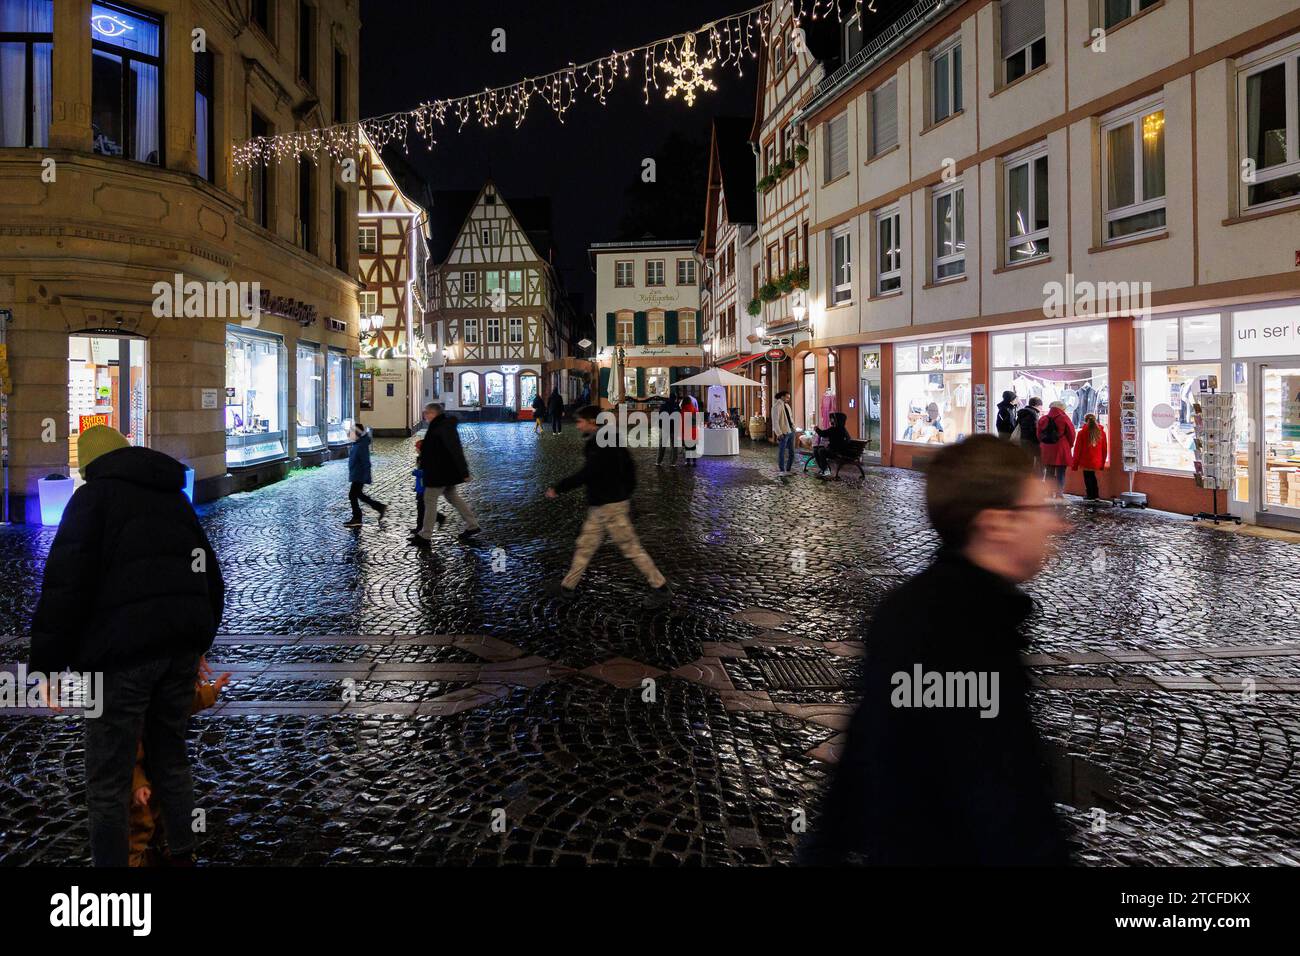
[784, 431]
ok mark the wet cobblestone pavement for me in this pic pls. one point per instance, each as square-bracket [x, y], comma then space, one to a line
[386, 700]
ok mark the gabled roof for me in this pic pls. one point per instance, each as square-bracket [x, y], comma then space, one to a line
[451, 209]
[731, 177]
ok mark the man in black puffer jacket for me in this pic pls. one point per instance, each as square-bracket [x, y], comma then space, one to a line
[132, 589]
[609, 475]
[442, 460]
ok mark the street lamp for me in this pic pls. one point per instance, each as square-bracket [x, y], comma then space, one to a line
[799, 312]
[760, 331]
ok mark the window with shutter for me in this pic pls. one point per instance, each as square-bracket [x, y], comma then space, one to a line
[1024, 37]
[884, 118]
[837, 147]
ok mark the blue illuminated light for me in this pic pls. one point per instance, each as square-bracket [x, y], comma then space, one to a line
[106, 24]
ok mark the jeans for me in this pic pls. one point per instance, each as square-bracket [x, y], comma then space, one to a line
[785, 452]
[150, 704]
[356, 495]
[1057, 473]
[431, 496]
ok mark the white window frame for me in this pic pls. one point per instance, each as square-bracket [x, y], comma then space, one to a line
[371, 297]
[471, 332]
[516, 330]
[1025, 51]
[469, 283]
[892, 215]
[620, 321]
[1131, 115]
[955, 92]
[1224, 361]
[649, 281]
[1133, 11]
[622, 281]
[829, 172]
[876, 148]
[1285, 52]
[654, 321]
[493, 336]
[368, 240]
[511, 275]
[958, 188]
[1027, 158]
[689, 266]
[686, 320]
[841, 279]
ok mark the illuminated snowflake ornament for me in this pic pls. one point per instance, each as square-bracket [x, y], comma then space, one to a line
[688, 72]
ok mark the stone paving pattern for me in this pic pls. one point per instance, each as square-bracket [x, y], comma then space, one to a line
[386, 700]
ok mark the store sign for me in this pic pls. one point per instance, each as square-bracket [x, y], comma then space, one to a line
[981, 409]
[301, 312]
[90, 421]
[777, 342]
[1264, 332]
[1163, 416]
[775, 355]
[658, 298]
[211, 398]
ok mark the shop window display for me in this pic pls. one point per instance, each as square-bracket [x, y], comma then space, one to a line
[1057, 365]
[469, 396]
[656, 381]
[339, 396]
[310, 397]
[256, 381]
[527, 389]
[494, 388]
[932, 391]
[1170, 379]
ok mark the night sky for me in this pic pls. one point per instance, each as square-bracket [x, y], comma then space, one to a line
[416, 51]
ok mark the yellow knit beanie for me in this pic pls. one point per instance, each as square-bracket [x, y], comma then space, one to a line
[96, 441]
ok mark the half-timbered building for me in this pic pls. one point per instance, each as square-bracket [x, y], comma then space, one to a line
[392, 263]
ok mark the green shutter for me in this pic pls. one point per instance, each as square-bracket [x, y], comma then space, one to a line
[604, 383]
[670, 328]
[638, 328]
[699, 329]
[640, 382]
[611, 329]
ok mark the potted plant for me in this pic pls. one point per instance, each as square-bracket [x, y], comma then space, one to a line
[769, 292]
[755, 306]
[801, 153]
[799, 277]
[785, 284]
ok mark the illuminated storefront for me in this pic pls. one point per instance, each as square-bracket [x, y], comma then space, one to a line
[256, 380]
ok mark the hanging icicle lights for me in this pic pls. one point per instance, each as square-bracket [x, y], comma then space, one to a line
[684, 59]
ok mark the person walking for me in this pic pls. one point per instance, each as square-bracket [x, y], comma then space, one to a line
[609, 475]
[1090, 454]
[443, 462]
[1055, 439]
[1026, 432]
[783, 431]
[835, 442]
[1006, 418]
[555, 411]
[359, 475]
[539, 413]
[955, 777]
[131, 589]
[670, 428]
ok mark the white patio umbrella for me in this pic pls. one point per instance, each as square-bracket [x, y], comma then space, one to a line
[717, 376]
[615, 390]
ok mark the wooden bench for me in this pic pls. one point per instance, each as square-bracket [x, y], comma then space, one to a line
[851, 456]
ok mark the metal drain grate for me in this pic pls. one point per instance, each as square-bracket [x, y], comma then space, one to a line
[799, 674]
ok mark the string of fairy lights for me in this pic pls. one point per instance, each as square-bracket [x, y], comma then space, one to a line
[680, 65]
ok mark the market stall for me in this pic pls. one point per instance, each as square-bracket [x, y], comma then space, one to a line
[720, 435]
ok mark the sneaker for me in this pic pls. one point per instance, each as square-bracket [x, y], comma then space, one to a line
[556, 589]
[659, 596]
[468, 534]
[353, 523]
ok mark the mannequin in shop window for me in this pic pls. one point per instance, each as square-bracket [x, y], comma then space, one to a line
[826, 409]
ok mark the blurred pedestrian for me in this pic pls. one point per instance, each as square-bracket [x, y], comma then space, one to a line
[609, 475]
[1026, 433]
[670, 428]
[1055, 440]
[359, 475]
[835, 442]
[539, 413]
[443, 462]
[1090, 454]
[555, 411]
[1006, 419]
[943, 764]
[132, 590]
[690, 409]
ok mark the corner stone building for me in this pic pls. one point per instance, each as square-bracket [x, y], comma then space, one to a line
[116, 174]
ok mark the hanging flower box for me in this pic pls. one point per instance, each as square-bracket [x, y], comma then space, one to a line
[755, 306]
[768, 292]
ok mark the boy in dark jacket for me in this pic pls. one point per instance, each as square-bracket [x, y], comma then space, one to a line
[609, 476]
[359, 476]
[1006, 420]
[132, 590]
[837, 442]
[443, 462]
[943, 764]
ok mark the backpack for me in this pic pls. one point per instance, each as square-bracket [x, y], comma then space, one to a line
[1051, 432]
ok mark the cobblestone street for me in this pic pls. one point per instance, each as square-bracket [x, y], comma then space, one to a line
[1166, 659]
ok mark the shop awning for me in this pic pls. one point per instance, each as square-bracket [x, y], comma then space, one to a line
[741, 362]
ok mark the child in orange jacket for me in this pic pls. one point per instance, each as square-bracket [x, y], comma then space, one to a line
[145, 817]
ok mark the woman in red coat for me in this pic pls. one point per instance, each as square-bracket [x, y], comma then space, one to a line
[1055, 439]
[690, 428]
[1090, 454]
